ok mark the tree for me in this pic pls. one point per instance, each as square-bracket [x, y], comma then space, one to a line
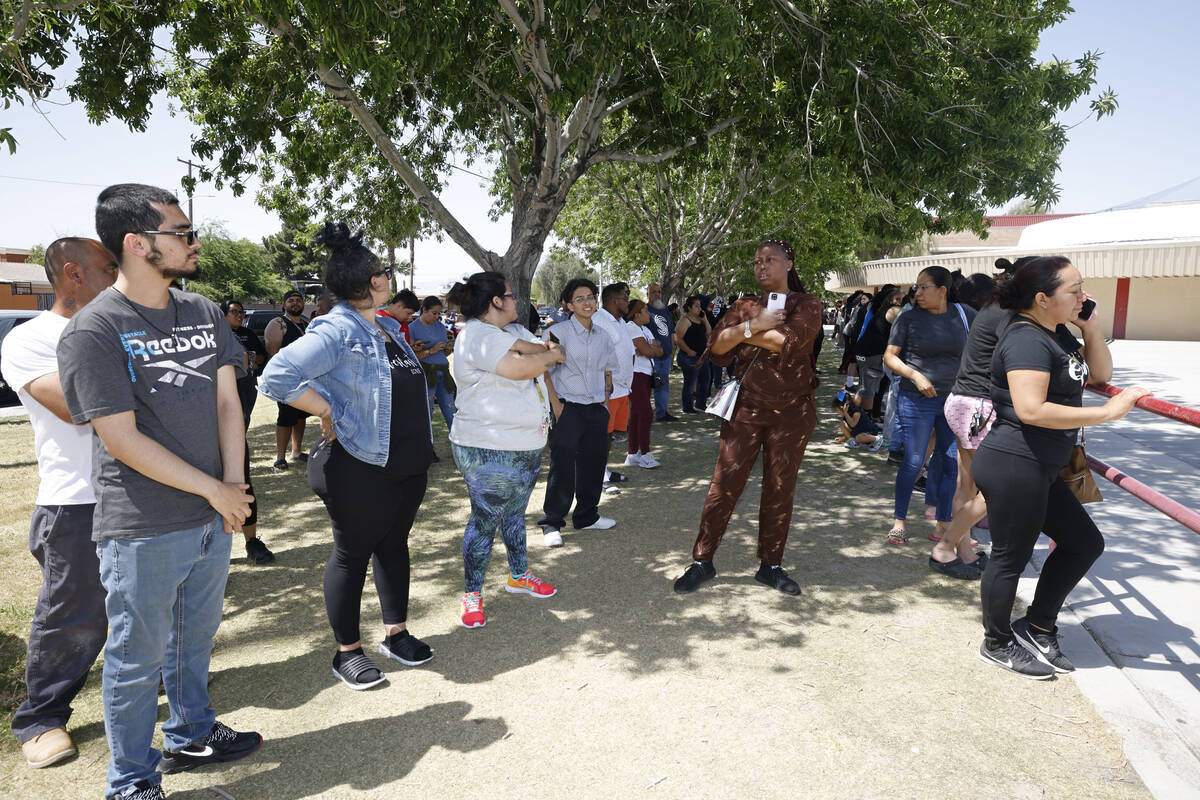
[37, 254]
[235, 268]
[559, 267]
[293, 253]
[1027, 206]
[940, 111]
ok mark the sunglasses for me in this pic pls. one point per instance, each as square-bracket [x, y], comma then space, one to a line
[385, 271]
[191, 235]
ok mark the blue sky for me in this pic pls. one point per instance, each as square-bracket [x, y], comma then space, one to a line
[1150, 60]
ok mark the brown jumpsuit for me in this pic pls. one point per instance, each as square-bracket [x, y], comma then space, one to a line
[776, 413]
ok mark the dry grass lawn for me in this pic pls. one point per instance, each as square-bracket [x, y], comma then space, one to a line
[867, 686]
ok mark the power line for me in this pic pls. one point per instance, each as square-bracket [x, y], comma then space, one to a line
[47, 180]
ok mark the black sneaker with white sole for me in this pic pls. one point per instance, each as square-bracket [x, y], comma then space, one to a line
[1044, 646]
[143, 790]
[221, 745]
[1015, 658]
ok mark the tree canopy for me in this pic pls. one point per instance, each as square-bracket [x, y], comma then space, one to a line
[939, 109]
[553, 274]
[236, 268]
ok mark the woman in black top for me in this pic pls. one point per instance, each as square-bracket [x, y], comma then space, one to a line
[1038, 374]
[691, 337]
[872, 341]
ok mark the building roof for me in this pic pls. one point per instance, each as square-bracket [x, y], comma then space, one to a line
[1186, 192]
[1022, 220]
[1152, 223]
[23, 273]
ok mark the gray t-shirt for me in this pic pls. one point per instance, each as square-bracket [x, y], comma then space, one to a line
[161, 364]
[932, 344]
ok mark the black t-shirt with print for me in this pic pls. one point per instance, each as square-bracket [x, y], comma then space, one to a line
[1026, 345]
[410, 450]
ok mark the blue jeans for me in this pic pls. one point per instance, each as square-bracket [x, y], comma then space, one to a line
[662, 368]
[444, 399]
[922, 416]
[164, 599]
[695, 383]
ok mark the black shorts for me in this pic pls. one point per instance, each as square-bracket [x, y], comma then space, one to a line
[289, 416]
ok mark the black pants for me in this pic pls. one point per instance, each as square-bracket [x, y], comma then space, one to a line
[1024, 498]
[578, 450]
[372, 512]
[69, 624]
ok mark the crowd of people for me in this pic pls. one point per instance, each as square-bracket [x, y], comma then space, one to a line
[140, 396]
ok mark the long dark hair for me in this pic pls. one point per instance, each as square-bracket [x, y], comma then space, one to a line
[1042, 274]
[473, 296]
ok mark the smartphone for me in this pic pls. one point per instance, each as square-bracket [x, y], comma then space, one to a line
[1089, 308]
[776, 301]
[553, 338]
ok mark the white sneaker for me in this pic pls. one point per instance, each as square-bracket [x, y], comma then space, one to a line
[551, 537]
[649, 461]
[633, 460]
[602, 524]
[611, 488]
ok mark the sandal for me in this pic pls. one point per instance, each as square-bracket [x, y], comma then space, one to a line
[357, 671]
[957, 569]
[898, 537]
[281, 463]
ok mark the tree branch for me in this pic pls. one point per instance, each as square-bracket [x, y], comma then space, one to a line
[603, 155]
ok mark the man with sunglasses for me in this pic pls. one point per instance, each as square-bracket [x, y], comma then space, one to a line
[154, 370]
[279, 333]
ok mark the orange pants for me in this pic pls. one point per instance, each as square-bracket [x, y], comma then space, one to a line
[781, 435]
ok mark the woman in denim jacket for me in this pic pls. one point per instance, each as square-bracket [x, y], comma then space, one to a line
[353, 369]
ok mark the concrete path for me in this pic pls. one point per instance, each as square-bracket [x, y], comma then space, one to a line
[1141, 601]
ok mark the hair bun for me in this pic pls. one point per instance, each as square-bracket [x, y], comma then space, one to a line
[337, 237]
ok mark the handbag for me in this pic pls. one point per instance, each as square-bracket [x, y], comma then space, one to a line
[656, 380]
[318, 457]
[725, 400]
[1077, 475]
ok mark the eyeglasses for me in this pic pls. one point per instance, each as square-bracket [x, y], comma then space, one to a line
[920, 287]
[235, 312]
[584, 298]
[191, 235]
[509, 295]
[385, 271]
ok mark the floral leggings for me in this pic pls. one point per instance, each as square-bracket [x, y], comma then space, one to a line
[499, 483]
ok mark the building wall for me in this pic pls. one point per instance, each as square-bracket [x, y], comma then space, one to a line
[8, 300]
[1163, 309]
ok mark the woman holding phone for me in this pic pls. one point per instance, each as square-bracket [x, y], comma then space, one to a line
[1038, 373]
[769, 340]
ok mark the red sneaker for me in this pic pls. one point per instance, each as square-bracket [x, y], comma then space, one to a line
[472, 616]
[530, 584]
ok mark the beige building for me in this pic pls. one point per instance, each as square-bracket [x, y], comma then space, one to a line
[1141, 265]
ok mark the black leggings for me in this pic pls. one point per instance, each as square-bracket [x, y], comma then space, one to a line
[372, 512]
[1024, 498]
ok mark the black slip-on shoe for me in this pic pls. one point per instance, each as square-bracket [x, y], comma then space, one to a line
[957, 569]
[697, 573]
[776, 578]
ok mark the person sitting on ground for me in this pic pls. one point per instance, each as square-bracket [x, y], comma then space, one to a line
[500, 431]
[854, 424]
[579, 390]
[637, 318]
[354, 370]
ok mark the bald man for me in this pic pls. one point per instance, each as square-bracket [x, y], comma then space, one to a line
[69, 623]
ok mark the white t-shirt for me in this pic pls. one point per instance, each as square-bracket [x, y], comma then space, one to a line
[495, 413]
[623, 375]
[64, 451]
[641, 363]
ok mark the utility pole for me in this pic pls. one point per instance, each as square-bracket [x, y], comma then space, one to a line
[191, 215]
[412, 263]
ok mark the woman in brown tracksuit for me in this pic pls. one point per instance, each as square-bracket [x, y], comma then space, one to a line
[775, 412]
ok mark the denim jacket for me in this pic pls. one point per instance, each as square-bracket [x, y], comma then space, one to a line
[344, 359]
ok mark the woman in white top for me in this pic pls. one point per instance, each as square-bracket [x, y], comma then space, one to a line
[646, 347]
[499, 431]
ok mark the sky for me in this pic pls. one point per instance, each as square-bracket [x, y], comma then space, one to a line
[48, 188]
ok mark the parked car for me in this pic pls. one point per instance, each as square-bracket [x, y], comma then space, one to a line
[257, 318]
[9, 319]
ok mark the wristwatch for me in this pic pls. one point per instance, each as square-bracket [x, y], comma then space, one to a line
[746, 330]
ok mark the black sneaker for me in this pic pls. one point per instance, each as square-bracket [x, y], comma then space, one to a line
[1015, 658]
[1044, 646]
[776, 578]
[666, 418]
[406, 648]
[142, 790]
[697, 573]
[221, 745]
[257, 552]
[958, 569]
[896, 458]
[616, 477]
[356, 670]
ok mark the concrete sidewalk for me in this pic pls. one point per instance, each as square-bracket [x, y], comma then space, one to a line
[1140, 603]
